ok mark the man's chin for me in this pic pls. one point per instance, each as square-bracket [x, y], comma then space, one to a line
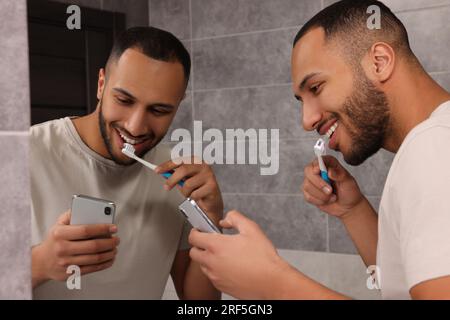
[358, 157]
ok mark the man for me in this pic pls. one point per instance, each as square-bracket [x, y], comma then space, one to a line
[139, 92]
[371, 85]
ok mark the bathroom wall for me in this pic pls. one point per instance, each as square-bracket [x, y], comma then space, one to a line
[241, 79]
[15, 230]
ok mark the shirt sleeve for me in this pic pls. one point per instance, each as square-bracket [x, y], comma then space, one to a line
[425, 207]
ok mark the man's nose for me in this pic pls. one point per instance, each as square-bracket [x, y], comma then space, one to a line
[312, 115]
[137, 123]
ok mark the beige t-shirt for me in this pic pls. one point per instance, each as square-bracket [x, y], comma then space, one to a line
[151, 229]
[414, 215]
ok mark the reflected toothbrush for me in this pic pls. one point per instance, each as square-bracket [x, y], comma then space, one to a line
[128, 150]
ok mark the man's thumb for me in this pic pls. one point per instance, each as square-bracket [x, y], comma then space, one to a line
[64, 218]
[236, 220]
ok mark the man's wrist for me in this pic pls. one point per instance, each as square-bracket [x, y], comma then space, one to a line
[281, 282]
[360, 207]
[37, 273]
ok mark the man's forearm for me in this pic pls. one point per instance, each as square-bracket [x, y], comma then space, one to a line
[362, 225]
[37, 276]
[197, 286]
[290, 284]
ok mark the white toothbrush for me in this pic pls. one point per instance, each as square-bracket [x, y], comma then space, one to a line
[128, 150]
[319, 150]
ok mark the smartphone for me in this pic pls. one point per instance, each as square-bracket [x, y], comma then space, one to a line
[196, 217]
[89, 210]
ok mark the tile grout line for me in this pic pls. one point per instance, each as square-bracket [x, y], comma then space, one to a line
[192, 63]
[421, 9]
[298, 26]
[438, 72]
[238, 34]
[265, 194]
[148, 12]
[257, 86]
[328, 234]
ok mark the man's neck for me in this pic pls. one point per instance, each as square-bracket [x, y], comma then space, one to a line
[89, 131]
[411, 102]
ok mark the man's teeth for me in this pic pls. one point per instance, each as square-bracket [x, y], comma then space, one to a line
[129, 140]
[331, 130]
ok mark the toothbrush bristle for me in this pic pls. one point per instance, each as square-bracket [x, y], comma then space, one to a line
[128, 149]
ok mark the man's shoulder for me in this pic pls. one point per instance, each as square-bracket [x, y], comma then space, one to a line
[47, 131]
[425, 153]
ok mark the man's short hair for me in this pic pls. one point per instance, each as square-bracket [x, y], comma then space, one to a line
[154, 43]
[346, 22]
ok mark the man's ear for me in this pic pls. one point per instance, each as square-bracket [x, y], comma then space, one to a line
[101, 83]
[379, 62]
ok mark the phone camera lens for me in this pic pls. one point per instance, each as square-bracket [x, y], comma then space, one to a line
[107, 211]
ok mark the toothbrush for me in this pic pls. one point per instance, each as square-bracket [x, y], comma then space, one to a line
[128, 150]
[319, 150]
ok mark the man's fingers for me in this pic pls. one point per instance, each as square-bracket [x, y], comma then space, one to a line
[175, 163]
[191, 184]
[316, 192]
[83, 232]
[336, 171]
[201, 192]
[96, 267]
[167, 166]
[235, 219]
[312, 174]
[64, 219]
[182, 172]
[202, 240]
[318, 202]
[90, 246]
[198, 255]
[225, 224]
[90, 259]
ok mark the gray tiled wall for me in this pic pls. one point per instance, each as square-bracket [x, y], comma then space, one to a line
[15, 228]
[241, 79]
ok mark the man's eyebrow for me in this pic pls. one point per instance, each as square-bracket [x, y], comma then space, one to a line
[125, 92]
[306, 78]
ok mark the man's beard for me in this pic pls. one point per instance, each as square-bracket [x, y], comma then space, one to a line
[368, 112]
[107, 141]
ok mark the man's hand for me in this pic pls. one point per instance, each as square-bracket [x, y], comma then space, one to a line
[346, 202]
[241, 265]
[68, 245]
[199, 184]
[338, 201]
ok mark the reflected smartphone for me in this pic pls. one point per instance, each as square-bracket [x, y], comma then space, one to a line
[196, 217]
[89, 210]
